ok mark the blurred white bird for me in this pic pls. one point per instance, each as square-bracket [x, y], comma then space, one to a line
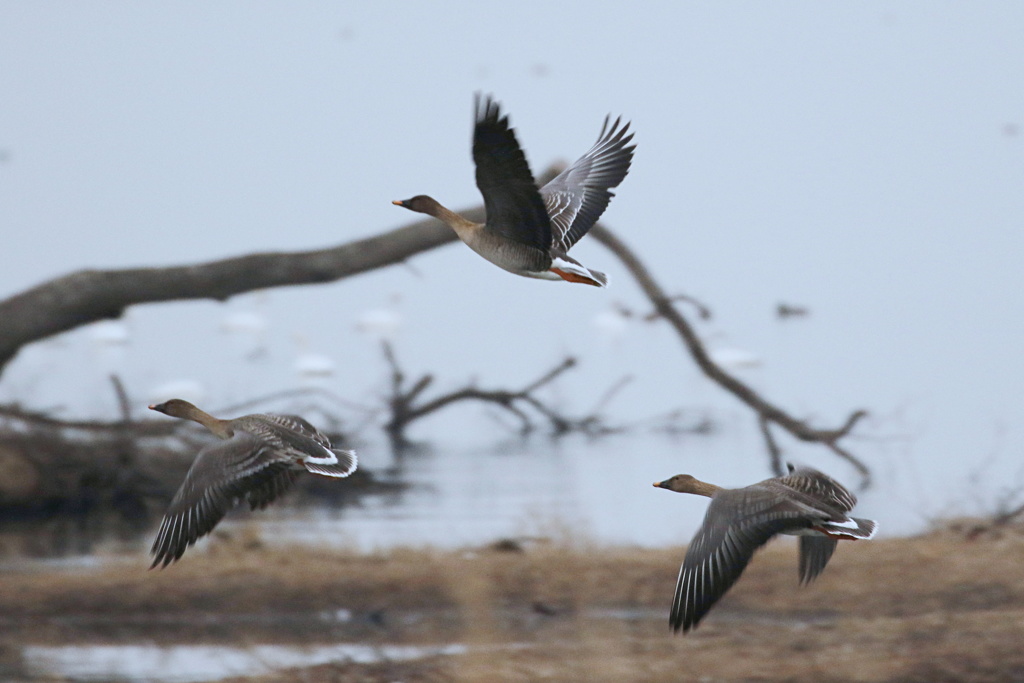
[109, 344]
[244, 322]
[247, 331]
[611, 324]
[381, 324]
[108, 355]
[313, 369]
[109, 334]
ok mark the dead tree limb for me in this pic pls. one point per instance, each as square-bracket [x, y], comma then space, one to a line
[90, 295]
[123, 403]
[767, 411]
[1008, 516]
[87, 296]
[774, 452]
[406, 407]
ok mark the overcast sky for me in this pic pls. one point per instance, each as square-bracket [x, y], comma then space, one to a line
[865, 160]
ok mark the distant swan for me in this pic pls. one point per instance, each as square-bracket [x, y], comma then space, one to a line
[529, 231]
[258, 460]
[805, 503]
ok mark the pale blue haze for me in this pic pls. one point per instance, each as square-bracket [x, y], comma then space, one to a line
[865, 160]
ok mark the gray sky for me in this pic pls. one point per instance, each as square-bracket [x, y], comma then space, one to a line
[863, 159]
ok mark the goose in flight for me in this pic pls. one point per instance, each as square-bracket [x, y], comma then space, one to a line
[256, 461]
[805, 503]
[529, 231]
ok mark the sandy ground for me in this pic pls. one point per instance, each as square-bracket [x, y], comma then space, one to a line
[942, 607]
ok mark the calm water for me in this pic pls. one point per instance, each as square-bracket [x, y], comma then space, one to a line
[762, 175]
[575, 488]
[186, 663]
[587, 489]
[769, 177]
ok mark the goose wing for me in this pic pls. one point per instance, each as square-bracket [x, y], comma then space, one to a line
[295, 438]
[830, 495]
[300, 425]
[303, 443]
[577, 196]
[815, 552]
[737, 523]
[819, 486]
[514, 206]
[242, 467]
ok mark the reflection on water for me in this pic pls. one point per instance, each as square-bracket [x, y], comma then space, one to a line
[178, 664]
[74, 536]
[571, 489]
[574, 488]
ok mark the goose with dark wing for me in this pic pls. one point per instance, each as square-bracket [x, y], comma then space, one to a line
[257, 460]
[528, 231]
[805, 503]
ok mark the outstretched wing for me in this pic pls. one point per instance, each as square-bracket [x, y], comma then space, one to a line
[297, 424]
[815, 552]
[737, 523]
[295, 437]
[835, 500]
[819, 486]
[577, 196]
[514, 207]
[243, 467]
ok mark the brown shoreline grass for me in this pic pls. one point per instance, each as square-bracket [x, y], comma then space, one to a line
[934, 608]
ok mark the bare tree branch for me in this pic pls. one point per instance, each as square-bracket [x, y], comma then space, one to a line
[774, 452]
[612, 391]
[42, 421]
[405, 409]
[301, 392]
[123, 403]
[664, 307]
[1008, 516]
[90, 295]
[87, 296]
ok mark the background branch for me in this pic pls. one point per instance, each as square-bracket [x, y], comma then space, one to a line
[87, 296]
[406, 409]
[90, 295]
[665, 307]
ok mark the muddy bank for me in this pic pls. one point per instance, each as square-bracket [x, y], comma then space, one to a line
[936, 608]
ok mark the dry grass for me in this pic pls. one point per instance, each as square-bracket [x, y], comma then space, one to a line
[935, 608]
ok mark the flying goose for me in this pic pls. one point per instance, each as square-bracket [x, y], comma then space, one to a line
[805, 503]
[529, 231]
[257, 461]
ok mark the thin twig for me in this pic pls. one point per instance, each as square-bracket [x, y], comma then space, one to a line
[122, 399]
[406, 408]
[664, 306]
[774, 452]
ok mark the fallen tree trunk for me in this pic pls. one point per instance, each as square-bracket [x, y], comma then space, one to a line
[87, 296]
[90, 295]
